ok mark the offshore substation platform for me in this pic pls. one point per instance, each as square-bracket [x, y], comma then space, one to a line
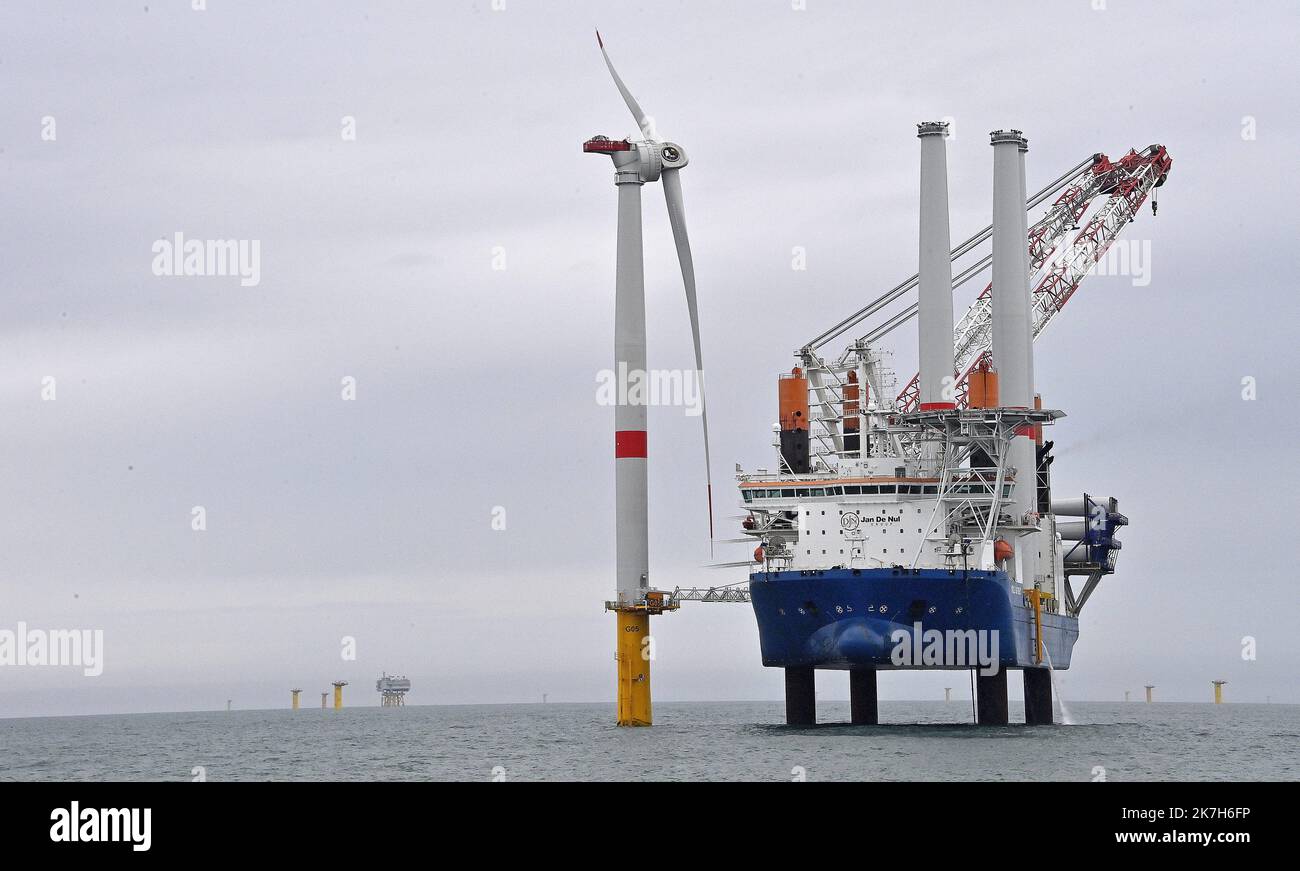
[392, 690]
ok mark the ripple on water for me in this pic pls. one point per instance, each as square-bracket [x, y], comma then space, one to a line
[694, 741]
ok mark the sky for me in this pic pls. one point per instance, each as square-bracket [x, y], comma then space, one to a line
[430, 233]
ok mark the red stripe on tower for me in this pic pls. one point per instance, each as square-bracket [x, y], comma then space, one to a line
[938, 406]
[629, 443]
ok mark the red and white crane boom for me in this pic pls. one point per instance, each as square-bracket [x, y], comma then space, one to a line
[1125, 184]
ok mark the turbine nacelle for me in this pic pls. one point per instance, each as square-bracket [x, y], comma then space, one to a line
[649, 158]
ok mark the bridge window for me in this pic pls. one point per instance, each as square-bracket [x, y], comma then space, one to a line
[886, 489]
[870, 491]
[801, 492]
[818, 491]
[748, 495]
[852, 491]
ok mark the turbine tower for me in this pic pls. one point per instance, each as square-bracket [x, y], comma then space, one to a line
[938, 382]
[637, 163]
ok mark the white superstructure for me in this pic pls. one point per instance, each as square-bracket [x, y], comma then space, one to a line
[864, 479]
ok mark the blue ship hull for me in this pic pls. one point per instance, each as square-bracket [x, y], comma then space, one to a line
[845, 618]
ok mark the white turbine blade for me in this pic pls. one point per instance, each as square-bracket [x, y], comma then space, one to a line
[677, 217]
[641, 120]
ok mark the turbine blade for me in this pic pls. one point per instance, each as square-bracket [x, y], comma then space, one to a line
[677, 218]
[642, 121]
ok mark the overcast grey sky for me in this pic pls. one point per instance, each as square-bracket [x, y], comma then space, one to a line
[476, 386]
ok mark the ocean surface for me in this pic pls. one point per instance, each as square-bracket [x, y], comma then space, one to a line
[931, 741]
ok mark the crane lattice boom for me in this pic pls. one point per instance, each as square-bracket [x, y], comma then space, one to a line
[1127, 182]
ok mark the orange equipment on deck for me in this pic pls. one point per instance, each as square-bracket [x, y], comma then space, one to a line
[792, 396]
[792, 392]
[983, 387]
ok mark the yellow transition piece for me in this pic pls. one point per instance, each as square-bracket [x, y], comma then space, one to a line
[633, 668]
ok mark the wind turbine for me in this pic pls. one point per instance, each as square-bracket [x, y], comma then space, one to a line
[637, 163]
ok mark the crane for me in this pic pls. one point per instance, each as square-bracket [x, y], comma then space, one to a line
[1125, 184]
